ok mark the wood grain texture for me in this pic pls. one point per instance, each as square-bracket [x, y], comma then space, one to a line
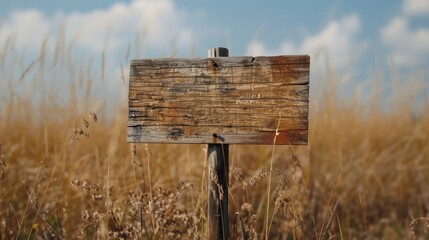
[242, 99]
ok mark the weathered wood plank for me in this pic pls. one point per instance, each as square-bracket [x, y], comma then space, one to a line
[242, 99]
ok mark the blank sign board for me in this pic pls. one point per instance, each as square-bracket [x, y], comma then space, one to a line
[231, 100]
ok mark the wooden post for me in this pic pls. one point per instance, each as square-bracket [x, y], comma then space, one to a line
[218, 168]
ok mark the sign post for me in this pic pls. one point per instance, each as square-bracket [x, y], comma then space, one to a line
[218, 171]
[219, 101]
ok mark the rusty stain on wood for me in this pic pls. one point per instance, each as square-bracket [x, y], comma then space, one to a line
[241, 99]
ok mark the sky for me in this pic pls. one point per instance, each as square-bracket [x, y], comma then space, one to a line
[354, 38]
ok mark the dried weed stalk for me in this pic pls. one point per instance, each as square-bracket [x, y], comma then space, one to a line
[247, 222]
[417, 221]
[128, 218]
[3, 167]
[3, 164]
[282, 197]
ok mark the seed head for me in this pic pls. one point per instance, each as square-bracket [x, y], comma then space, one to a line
[93, 116]
[85, 122]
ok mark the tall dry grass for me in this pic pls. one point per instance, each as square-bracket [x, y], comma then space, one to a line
[67, 172]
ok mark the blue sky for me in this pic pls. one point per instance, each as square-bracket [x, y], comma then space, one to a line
[357, 37]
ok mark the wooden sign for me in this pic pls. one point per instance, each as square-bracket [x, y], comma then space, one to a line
[230, 100]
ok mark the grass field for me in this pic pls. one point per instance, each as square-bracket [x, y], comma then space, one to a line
[67, 171]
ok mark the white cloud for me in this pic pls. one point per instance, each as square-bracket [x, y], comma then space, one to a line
[408, 47]
[159, 20]
[416, 7]
[257, 48]
[26, 27]
[338, 40]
